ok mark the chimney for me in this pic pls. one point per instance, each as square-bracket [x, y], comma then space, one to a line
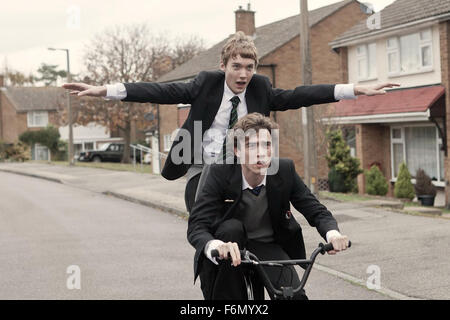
[245, 20]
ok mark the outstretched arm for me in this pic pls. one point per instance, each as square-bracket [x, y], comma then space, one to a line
[83, 89]
[153, 92]
[372, 90]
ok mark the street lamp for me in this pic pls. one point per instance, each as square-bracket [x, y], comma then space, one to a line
[69, 107]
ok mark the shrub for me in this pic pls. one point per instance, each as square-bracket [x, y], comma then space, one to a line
[17, 152]
[339, 159]
[403, 187]
[48, 137]
[336, 181]
[376, 183]
[424, 186]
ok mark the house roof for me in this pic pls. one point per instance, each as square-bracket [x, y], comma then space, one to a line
[396, 14]
[268, 38]
[36, 98]
[394, 101]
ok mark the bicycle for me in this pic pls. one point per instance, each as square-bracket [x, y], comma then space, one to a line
[286, 292]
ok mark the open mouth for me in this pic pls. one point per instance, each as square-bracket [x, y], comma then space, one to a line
[240, 83]
[260, 163]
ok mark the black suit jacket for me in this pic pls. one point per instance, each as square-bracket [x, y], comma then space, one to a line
[205, 93]
[224, 182]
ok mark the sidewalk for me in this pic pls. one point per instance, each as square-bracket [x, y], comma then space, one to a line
[411, 252]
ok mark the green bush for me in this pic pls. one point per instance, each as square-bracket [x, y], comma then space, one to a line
[48, 137]
[62, 152]
[403, 187]
[376, 183]
[346, 168]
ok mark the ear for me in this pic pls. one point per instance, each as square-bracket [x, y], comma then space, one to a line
[222, 66]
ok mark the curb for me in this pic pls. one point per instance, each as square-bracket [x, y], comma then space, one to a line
[33, 175]
[147, 203]
[356, 281]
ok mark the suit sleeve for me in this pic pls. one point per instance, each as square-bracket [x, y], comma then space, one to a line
[205, 211]
[307, 204]
[301, 96]
[165, 93]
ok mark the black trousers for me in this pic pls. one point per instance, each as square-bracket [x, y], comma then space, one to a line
[226, 282]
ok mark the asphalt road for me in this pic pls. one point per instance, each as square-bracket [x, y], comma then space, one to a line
[122, 250]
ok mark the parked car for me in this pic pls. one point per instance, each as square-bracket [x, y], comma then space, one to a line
[109, 152]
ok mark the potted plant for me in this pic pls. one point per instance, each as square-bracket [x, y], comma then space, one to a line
[425, 190]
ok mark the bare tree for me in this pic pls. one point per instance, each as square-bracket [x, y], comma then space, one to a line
[128, 54]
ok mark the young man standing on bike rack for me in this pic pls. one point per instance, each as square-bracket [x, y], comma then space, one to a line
[247, 205]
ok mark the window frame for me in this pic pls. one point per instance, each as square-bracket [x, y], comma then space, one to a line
[439, 182]
[365, 56]
[397, 50]
[31, 117]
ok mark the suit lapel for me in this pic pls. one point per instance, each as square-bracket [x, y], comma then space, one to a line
[251, 100]
[213, 103]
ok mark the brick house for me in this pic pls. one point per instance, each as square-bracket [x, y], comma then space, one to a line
[278, 46]
[409, 123]
[33, 108]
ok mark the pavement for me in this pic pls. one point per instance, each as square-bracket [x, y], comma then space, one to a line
[399, 255]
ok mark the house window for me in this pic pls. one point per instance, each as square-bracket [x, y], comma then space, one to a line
[349, 135]
[366, 61]
[167, 142]
[419, 147]
[410, 53]
[37, 118]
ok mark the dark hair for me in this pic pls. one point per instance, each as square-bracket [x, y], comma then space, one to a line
[253, 121]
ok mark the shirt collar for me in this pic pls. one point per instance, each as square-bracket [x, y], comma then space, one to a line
[228, 94]
[246, 185]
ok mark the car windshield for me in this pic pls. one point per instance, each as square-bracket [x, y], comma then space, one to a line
[104, 147]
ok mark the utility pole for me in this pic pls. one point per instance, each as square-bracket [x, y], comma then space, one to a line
[69, 108]
[309, 146]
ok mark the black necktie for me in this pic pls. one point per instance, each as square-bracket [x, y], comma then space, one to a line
[233, 119]
[256, 190]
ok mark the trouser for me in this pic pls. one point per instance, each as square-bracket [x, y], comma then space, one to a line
[226, 282]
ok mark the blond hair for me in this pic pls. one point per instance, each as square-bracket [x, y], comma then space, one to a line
[239, 44]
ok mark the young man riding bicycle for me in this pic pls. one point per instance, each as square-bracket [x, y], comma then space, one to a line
[247, 205]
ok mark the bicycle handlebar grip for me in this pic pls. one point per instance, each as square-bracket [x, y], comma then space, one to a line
[215, 253]
[329, 246]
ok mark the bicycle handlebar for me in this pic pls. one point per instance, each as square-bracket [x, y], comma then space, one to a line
[250, 258]
[325, 247]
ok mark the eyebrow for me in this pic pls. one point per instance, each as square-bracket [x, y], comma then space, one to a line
[237, 64]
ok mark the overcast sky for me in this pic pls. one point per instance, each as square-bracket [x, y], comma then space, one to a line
[28, 28]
